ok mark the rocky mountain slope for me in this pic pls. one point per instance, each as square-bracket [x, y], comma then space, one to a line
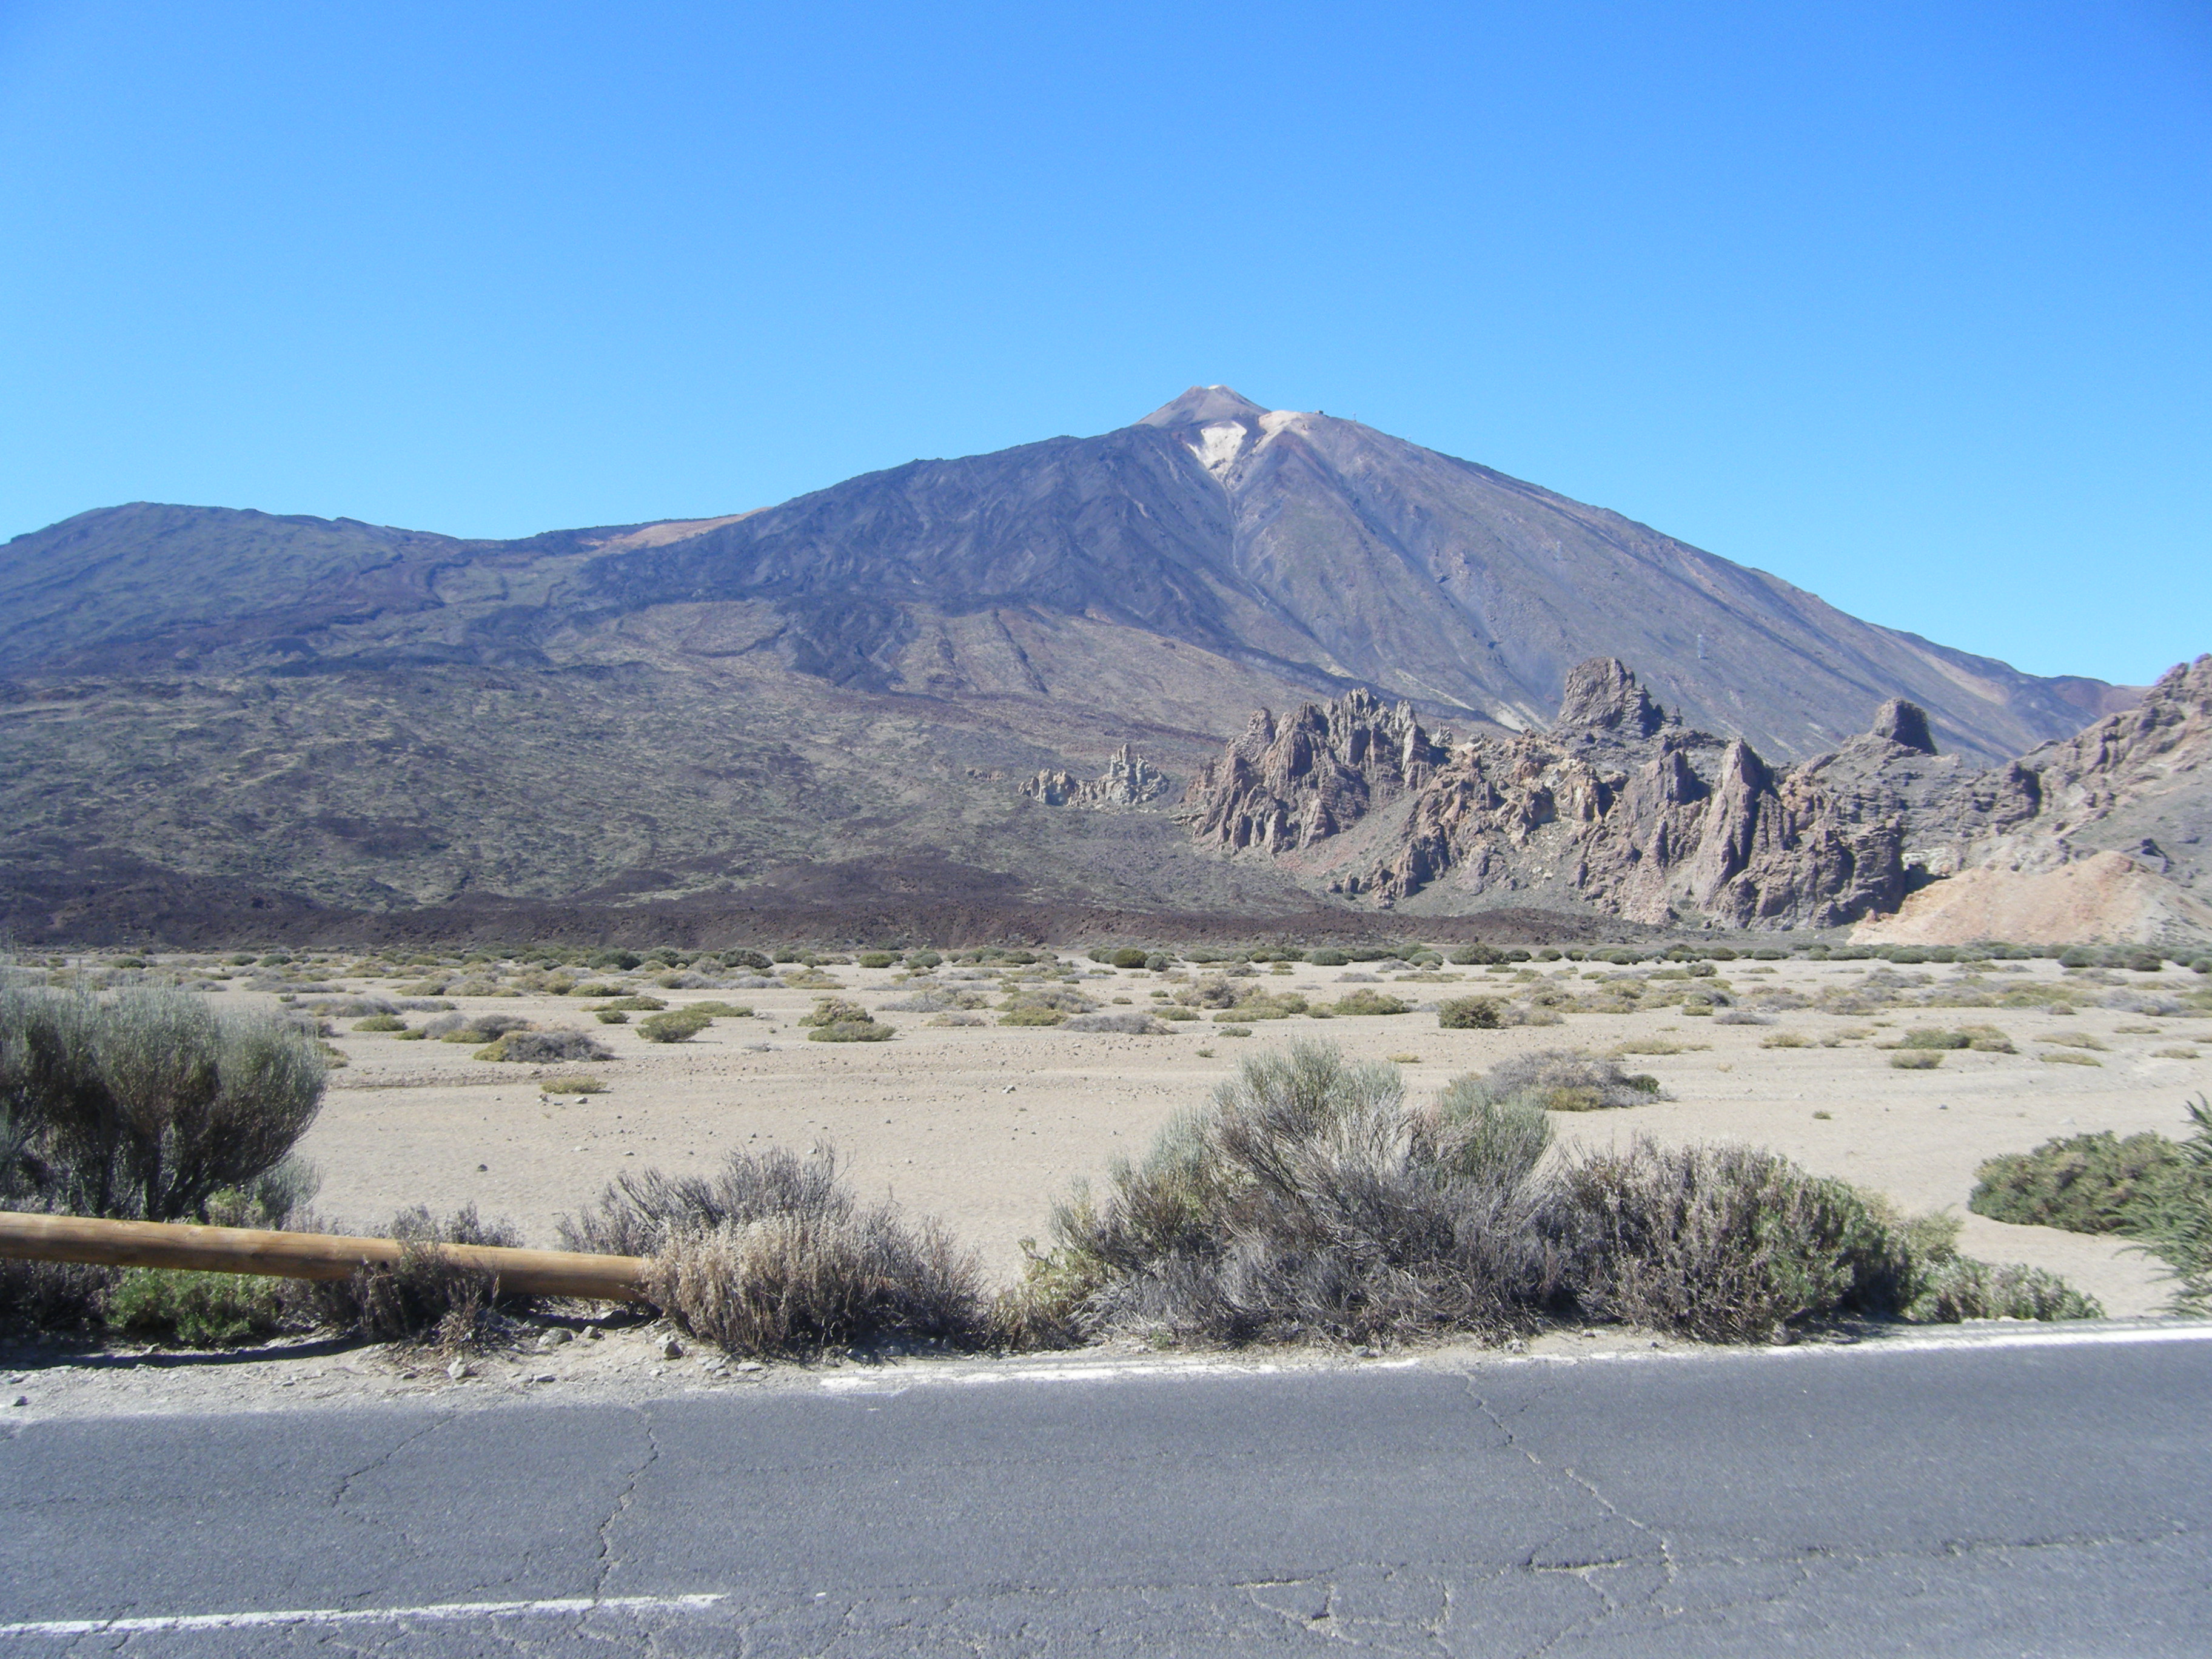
[1620, 809]
[859, 681]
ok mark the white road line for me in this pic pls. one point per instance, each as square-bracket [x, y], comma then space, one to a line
[437, 1613]
[1099, 1371]
[1169, 1368]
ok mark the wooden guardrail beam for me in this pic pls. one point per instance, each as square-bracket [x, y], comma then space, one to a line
[304, 1255]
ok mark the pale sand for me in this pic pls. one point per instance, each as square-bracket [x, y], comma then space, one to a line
[986, 1127]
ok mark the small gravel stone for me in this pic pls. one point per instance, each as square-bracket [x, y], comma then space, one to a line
[671, 1349]
[460, 1369]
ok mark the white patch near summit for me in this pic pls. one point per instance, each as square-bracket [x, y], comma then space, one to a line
[1219, 445]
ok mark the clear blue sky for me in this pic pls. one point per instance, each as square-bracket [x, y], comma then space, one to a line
[1907, 303]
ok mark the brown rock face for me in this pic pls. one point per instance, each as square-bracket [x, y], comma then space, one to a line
[1619, 809]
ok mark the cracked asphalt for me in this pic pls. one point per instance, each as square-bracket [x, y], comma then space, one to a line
[2007, 1500]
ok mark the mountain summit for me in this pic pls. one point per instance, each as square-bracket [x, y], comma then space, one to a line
[375, 718]
[1203, 404]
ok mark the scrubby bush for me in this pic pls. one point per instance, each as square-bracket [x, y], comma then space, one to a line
[677, 1025]
[922, 961]
[1306, 1199]
[1915, 1059]
[1566, 1080]
[427, 1296]
[547, 1048]
[1726, 1243]
[852, 1031]
[638, 1004]
[1324, 957]
[145, 1106]
[623, 960]
[1363, 1002]
[474, 1027]
[1470, 1014]
[1130, 1024]
[876, 959]
[774, 1256]
[611, 1017]
[1159, 962]
[380, 1023]
[1129, 958]
[571, 1083]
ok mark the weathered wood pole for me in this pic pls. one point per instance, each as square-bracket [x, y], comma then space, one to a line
[305, 1255]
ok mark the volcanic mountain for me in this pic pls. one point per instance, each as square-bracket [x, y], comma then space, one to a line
[842, 695]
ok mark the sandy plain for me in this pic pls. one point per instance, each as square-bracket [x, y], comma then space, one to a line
[985, 1126]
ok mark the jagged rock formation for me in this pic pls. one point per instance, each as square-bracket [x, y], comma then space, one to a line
[1616, 807]
[1323, 769]
[1129, 780]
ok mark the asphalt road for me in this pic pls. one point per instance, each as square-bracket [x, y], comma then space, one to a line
[2008, 1500]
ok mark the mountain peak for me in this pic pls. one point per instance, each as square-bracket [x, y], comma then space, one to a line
[1203, 404]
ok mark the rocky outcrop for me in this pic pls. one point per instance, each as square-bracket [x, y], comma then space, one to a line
[1129, 780]
[1619, 808]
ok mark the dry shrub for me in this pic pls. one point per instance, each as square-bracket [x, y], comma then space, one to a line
[1307, 1199]
[426, 1296]
[1565, 1080]
[774, 1256]
[1470, 1014]
[1133, 1024]
[1726, 1243]
[145, 1106]
[549, 1047]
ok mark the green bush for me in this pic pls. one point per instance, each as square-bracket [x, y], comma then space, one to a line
[196, 1309]
[380, 1023]
[1915, 1059]
[142, 1106]
[1325, 957]
[2180, 1230]
[921, 961]
[677, 1025]
[638, 1004]
[1364, 1001]
[1471, 1014]
[1033, 1014]
[2092, 1183]
[876, 958]
[1130, 958]
[611, 1017]
[852, 1031]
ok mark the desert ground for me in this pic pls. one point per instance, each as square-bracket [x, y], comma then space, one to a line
[986, 1125]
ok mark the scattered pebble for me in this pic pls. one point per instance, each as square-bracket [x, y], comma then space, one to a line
[460, 1369]
[671, 1349]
